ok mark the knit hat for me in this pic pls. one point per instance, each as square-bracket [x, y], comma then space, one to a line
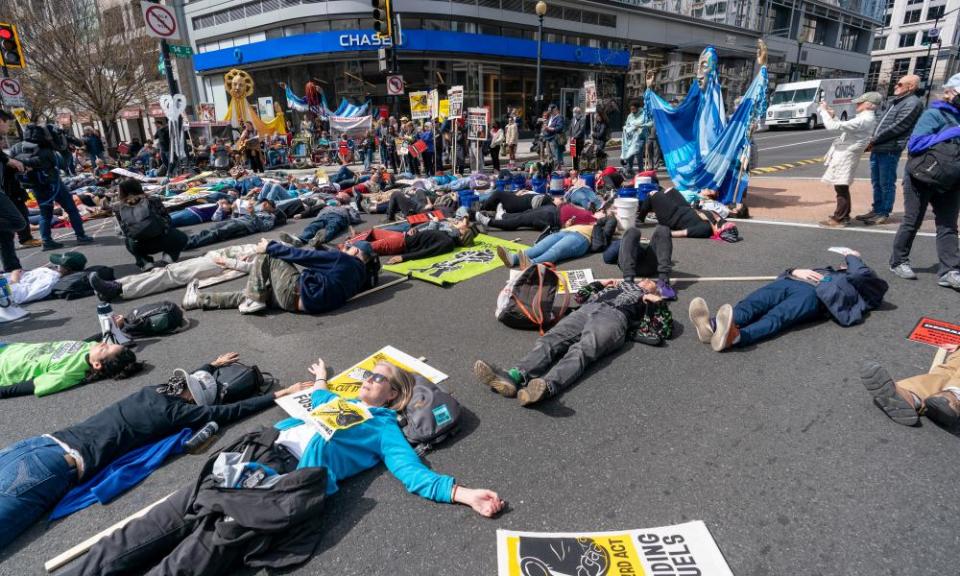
[73, 261]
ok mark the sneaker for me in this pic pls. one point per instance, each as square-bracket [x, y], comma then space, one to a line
[496, 378]
[877, 219]
[191, 298]
[535, 391]
[943, 408]
[726, 332]
[868, 216]
[292, 240]
[524, 260]
[700, 317]
[483, 219]
[51, 245]
[500, 212]
[950, 280]
[85, 240]
[901, 406]
[106, 290]
[31, 243]
[249, 306]
[505, 257]
[903, 270]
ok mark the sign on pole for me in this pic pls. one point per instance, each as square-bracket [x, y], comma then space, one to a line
[160, 20]
[477, 121]
[455, 96]
[181, 51]
[395, 85]
[419, 105]
[590, 96]
[11, 93]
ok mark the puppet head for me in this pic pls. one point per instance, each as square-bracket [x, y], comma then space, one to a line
[707, 66]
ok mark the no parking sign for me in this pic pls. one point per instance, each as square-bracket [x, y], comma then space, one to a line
[160, 20]
[11, 93]
[394, 85]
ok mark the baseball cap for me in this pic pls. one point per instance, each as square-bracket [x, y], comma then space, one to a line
[872, 97]
[202, 385]
[70, 260]
[953, 82]
[364, 246]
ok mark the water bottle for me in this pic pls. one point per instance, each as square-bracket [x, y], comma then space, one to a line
[108, 327]
[199, 441]
[6, 295]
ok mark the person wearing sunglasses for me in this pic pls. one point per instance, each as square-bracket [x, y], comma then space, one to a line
[172, 538]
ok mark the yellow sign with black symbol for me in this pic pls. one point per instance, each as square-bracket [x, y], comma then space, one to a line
[338, 414]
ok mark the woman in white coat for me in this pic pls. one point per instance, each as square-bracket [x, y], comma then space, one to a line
[845, 152]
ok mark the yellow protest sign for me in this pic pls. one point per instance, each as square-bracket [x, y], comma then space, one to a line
[419, 105]
[22, 117]
[338, 414]
[347, 383]
[444, 110]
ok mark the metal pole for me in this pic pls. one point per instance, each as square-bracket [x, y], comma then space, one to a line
[932, 64]
[539, 97]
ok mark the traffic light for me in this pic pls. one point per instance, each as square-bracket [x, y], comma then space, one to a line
[382, 18]
[11, 52]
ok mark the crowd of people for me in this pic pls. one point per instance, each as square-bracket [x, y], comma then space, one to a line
[417, 206]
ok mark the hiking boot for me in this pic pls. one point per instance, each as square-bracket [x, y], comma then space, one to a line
[498, 379]
[535, 391]
[506, 257]
[51, 245]
[700, 317]
[950, 280]
[903, 270]
[191, 298]
[868, 216]
[106, 290]
[900, 405]
[943, 408]
[876, 219]
[250, 306]
[292, 240]
[726, 332]
[85, 240]
[31, 243]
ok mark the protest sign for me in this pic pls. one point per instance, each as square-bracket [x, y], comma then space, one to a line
[573, 280]
[464, 263]
[935, 332]
[590, 96]
[681, 549]
[347, 383]
[444, 111]
[477, 120]
[419, 105]
[455, 96]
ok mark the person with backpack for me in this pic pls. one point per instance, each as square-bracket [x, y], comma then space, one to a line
[279, 529]
[328, 280]
[937, 133]
[146, 225]
[797, 296]
[611, 312]
[38, 283]
[47, 468]
[49, 367]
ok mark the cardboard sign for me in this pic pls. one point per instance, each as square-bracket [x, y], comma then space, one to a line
[347, 383]
[935, 332]
[455, 96]
[337, 414]
[590, 96]
[477, 120]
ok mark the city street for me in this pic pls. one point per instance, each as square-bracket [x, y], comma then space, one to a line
[777, 447]
[780, 146]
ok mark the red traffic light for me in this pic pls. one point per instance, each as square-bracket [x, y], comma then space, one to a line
[6, 34]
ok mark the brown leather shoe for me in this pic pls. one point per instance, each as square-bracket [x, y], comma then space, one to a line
[31, 243]
[943, 408]
[535, 391]
[900, 405]
[727, 332]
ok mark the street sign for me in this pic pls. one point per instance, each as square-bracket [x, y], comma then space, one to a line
[181, 51]
[11, 93]
[160, 20]
[395, 85]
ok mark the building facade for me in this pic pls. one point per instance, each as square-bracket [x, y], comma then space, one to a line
[916, 37]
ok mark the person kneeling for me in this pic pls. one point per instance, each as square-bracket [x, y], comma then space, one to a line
[611, 313]
[797, 296]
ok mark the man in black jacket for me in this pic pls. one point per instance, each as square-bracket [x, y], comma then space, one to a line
[11, 221]
[578, 132]
[889, 139]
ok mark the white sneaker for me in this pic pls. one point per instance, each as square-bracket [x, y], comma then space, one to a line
[950, 280]
[191, 298]
[500, 212]
[903, 270]
[249, 306]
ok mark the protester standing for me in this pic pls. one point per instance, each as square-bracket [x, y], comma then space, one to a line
[578, 131]
[11, 221]
[634, 138]
[845, 152]
[943, 115]
[511, 137]
[889, 140]
[496, 142]
[552, 133]
[94, 145]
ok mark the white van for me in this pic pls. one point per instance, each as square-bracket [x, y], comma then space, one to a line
[797, 103]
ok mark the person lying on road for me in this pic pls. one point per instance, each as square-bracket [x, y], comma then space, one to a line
[48, 367]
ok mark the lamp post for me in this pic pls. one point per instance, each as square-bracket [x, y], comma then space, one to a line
[541, 11]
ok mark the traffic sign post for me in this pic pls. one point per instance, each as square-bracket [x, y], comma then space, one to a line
[160, 20]
[11, 93]
[395, 85]
[181, 51]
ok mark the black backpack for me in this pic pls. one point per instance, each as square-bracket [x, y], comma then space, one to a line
[937, 167]
[527, 303]
[140, 221]
[154, 319]
[240, 381]
[432, 416]
[76, 285]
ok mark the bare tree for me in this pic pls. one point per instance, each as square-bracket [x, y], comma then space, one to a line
[98, 60]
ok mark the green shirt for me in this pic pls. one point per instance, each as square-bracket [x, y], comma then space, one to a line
[53, 366]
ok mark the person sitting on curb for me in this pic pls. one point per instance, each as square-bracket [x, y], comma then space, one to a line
[48, 367]
[38, 283]
[78, 453]
[264, 218]
[329, 279]
[797, 296]
[935, 395]
[416, 243]
[174, 538]
[176, 275]
[611, 313]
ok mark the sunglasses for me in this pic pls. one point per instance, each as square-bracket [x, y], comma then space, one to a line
[377, 378]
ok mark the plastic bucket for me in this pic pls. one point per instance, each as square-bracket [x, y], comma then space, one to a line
[644, 190]
[539, 185]
[626, 212]
[556, 184]
[467, 198]
[627, 192]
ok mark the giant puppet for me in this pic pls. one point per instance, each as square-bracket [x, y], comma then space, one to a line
[239, 86]
[701, 148]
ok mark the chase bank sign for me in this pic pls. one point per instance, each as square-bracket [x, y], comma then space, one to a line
[364, 39]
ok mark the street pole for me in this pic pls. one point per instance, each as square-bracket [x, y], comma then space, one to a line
[929, 72]
[541, 11]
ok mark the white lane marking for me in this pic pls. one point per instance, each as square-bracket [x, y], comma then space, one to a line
[818, 227]
[762, 149]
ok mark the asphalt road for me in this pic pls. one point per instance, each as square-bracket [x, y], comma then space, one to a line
[777, 448]
[779, 146]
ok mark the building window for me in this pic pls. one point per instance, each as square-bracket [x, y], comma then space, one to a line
[436, 24]
[914, 2]
[890, 4]
[879, 42]
[512, 5]
[922, 67]
[935, 12]
[572, 14]
[886, 20]
[901, 67]
[608, 20]
[849, 38]
[907, 40]
[590, 17]
[488, 29]
[810, 30]
[911, 16]
[253, 9]
[490, 3]
[318, 26]
[873, 76]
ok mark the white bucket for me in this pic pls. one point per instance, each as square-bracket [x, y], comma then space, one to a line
[626, 212]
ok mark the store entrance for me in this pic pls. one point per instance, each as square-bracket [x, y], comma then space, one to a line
[570, 97]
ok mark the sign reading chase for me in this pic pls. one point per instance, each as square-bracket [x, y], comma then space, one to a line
[357, 39]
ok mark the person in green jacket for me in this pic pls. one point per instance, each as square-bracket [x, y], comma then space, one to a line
[50, 367]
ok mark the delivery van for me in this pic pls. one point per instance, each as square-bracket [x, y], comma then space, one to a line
[797, 103]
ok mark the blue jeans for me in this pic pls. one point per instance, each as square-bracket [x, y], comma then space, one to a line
[46, 199]
[559, 247]
[274, 192]
[883, 174]
[33, 477]
[584, 197]
[182, 218]
[367, 159]
[774, 308]
[331, 223]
